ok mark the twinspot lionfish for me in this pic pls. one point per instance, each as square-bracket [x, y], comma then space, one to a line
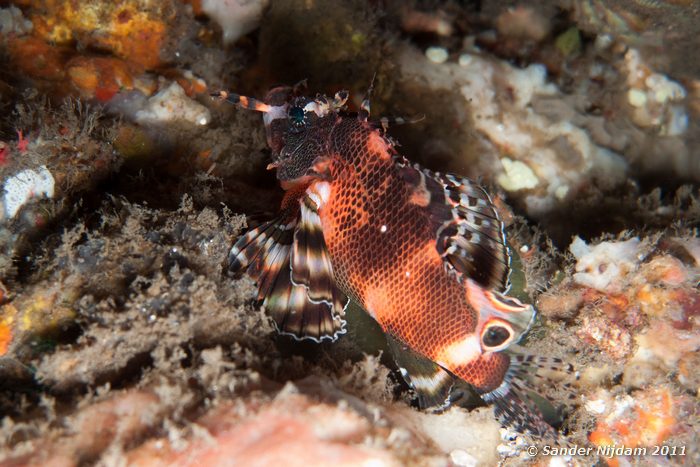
[424, 253]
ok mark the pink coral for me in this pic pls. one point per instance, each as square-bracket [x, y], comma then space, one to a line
[291, 431]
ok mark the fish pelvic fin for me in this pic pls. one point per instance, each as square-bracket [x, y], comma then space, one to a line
[431, 383]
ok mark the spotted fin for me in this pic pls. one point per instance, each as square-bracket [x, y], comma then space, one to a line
[432, 384]
[470, 235]
[514, 406]
[266, 254]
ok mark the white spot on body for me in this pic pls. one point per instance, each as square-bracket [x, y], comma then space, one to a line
[383, 229]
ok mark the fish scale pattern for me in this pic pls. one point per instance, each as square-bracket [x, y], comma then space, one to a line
[424, 253]
[384, 253]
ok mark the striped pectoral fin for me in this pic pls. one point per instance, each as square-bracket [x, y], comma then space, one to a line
[474, 240]
[312, 308]
[295, 315]
[431, 383]
[263, 251]
[316, 305]
[311, 263]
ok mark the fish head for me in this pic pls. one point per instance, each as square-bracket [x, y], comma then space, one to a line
[298, 128]
[302, 137]
[480, 356]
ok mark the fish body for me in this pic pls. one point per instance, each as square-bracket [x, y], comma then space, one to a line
[424, 253]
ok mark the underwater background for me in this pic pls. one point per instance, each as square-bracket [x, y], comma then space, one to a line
[123, 341]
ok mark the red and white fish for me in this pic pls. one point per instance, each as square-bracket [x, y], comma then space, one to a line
[423, 253]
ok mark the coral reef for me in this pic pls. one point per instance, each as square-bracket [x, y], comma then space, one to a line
[522, 149]
[123, 186]
[636, 302]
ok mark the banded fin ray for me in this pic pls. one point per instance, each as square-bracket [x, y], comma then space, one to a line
[262, 251]
[265, 253]
[470, 235]
[474, 239]
[295, 315]
[431, 383]
[513, 407]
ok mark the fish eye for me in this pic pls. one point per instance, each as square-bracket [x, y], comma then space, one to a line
[297, 116]
[495, 336]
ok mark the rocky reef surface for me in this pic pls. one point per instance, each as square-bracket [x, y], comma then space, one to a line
[123, 185]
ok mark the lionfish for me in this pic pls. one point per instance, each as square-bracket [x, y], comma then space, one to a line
[424, 253]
